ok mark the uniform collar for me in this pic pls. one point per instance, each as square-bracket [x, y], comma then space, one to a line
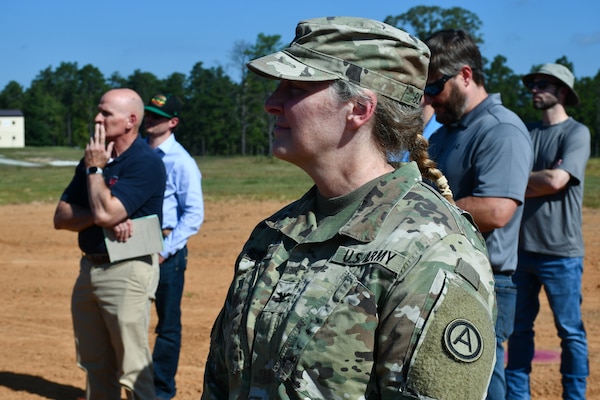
[298, 221]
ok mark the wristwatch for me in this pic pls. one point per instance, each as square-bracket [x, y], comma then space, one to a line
[93, 170]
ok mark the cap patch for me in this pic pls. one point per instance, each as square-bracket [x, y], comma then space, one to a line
[159, 101]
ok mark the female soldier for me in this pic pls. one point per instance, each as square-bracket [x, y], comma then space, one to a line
[371, 285]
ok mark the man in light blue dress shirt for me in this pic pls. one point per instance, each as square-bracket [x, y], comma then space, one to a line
[183, 213]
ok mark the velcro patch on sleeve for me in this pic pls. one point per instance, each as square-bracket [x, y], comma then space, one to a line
[455, 354]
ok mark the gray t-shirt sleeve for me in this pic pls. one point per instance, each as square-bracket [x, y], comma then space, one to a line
[574, 152]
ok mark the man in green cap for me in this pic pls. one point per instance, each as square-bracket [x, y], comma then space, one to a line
[371, 285]
[183, 214]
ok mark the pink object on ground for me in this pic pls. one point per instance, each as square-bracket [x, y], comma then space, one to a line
[542, 356]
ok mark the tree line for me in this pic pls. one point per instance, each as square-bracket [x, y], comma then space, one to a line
[225, 117]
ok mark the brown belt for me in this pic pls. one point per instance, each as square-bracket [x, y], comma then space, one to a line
[98, 259]
[166, 232]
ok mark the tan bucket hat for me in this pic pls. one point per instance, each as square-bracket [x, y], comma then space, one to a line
[560, 72]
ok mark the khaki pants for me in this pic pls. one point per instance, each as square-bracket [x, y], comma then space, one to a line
[111, 315]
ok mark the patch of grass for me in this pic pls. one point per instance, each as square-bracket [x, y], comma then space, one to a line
[36, 184]
[253, 178]
[43, 154]
[591, 191]
[32, 184]
[256, 178]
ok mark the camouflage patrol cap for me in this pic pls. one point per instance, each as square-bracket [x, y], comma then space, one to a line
[366, 52]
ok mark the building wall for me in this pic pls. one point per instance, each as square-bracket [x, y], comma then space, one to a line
[12, 131]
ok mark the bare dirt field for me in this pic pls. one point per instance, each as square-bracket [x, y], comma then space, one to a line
[39, 265]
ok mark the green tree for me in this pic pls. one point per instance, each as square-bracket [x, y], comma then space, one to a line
[588, 111]
[565, 61]
[146, 84]
[175, 84]
[211, 124]
[44, 116]
[116, 81]
[240, 55]
[12, 96]
[501, 79]
[258, 125]
[64, 85]
[91, 85]
[425, 20]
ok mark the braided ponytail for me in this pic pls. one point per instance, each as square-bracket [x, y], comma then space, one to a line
[428, 167]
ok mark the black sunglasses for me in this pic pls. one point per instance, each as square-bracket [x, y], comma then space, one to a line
[435, 88]
[541, 84]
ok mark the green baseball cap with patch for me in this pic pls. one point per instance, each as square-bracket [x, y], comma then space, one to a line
[366, 52]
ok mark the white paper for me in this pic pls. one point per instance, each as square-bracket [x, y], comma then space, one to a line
[146, 239]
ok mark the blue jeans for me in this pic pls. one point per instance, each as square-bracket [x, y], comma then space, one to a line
[165, 357]
[506, 296]
[561, 279]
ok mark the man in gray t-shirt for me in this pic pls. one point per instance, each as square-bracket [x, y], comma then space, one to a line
[485, 152]
[551, 244]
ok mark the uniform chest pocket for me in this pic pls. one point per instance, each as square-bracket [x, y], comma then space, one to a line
[334, 319]
[251, 276]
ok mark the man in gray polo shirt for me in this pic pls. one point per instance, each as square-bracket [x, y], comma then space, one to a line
[485, 152]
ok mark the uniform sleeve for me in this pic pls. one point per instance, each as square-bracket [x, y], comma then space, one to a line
[448, 298]
[216, 384]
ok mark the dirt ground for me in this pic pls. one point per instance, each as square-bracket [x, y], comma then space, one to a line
[39, 266]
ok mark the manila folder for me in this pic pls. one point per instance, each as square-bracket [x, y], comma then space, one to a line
[146, 239]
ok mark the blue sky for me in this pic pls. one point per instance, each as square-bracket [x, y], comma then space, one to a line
[163, 37]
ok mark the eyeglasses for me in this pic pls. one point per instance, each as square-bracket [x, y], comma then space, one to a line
[541, 84]
[437, 87]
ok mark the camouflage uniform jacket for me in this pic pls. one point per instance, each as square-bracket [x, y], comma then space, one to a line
[394, 300]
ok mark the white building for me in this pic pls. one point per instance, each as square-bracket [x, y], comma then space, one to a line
[12, 128]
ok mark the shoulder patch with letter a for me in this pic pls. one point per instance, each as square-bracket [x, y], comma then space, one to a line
[463, 341]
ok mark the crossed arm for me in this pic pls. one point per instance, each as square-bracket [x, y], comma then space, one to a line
[546, 181]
